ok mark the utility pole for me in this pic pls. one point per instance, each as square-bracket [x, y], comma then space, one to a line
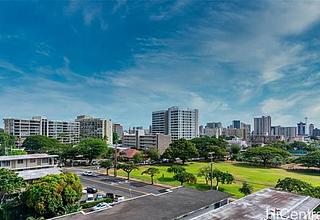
[115, 164]
[211, 158]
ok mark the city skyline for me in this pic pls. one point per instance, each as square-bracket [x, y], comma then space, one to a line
[122, 60]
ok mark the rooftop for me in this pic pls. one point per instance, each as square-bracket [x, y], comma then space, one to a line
[37, 173]
[28, 156]
[166, 206]
[256, 206]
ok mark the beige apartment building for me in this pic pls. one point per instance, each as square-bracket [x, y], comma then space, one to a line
[63, 131]
[141, 140]
[95, 127]
[31, 166]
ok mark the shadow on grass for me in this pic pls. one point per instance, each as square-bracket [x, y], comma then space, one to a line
[310, 172]
[198, 186]
[166, 179]
[251, 165]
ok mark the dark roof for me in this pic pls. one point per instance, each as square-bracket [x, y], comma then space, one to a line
[166, 206]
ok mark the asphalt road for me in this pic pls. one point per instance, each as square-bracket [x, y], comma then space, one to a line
[118, 186]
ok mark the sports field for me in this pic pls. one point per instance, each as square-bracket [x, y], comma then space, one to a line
[258, 177]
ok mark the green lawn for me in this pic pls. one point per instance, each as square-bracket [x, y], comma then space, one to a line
[258, 177]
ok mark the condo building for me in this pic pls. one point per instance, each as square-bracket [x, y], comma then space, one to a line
[63, 131]
[262, 126]
[176, 122]
[95, 127]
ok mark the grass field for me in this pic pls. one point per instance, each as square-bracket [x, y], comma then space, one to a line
[258, 177]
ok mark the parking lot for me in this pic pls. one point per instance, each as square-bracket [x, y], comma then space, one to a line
[118, 186]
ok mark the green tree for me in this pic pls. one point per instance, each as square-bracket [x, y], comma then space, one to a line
[10, 183]
[176, 169]
[115, 138]
[298, 145]
[312, 159]
[41, 144]
[206, 144]
[107, 164]
[185, 177]
[221, 177]
[205, 172]
[6, 142]
[138, 158]
[151, 172]
[246, 188]
[182, 149]
[293, 185]
[92, 148]
[128, 168]
[235, 149]
[17, 152]
[279, 144]
[264, 154]
[53, 195]
[153, 154]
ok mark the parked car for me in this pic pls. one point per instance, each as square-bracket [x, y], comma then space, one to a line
[102, 205]
[91, 190]
[90, 198]
[84, 191]
[89, 173]
[99, 196]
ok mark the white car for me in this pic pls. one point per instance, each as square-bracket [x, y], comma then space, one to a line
[102, 205]
[90, 198]
[89, 173]
[84, 191]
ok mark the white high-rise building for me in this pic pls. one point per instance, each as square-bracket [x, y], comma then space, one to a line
[177, 122]
[262, 126]
[63, 131]
[95, 127]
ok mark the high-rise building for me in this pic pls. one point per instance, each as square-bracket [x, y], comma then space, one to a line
[287, 132]
[311, 128]
[301, 128]
[236, 124]
[118, 128]
[160, 122]
[63, 131]
[262, 126]
[176, 122]
[95, 127]
[214, 125]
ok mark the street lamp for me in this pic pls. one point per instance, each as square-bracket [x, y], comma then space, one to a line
[211, 158]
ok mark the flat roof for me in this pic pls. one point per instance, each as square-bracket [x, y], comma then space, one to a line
[257, 205]
[37, 173]
[171, 205]
[28, 156]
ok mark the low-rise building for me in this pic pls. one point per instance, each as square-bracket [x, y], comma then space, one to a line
[141, 140]
[31, 166]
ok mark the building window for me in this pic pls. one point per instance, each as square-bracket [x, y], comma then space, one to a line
[32, 160]
[5, 163]
[45, 160]
[20, 161]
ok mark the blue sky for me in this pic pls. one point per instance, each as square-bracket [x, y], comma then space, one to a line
[124, 59]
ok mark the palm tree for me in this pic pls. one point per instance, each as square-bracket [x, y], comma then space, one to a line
[151, 172]
[107, 164]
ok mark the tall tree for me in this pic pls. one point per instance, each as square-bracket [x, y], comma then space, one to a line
[185, 177]
[205, 172]
[138, 158]
[41, 144]
[206, 144]
[92, 148]
[221, 177]
[312, 159]
[176, 169]
[115, 138]
[53, 195]
[151, 172]
[128, 168]
[293, 185]
[153, 154]
[264, 154]
[6, 143]
[107, 164]
[246, 188]
[10, 183]
[182, 149]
